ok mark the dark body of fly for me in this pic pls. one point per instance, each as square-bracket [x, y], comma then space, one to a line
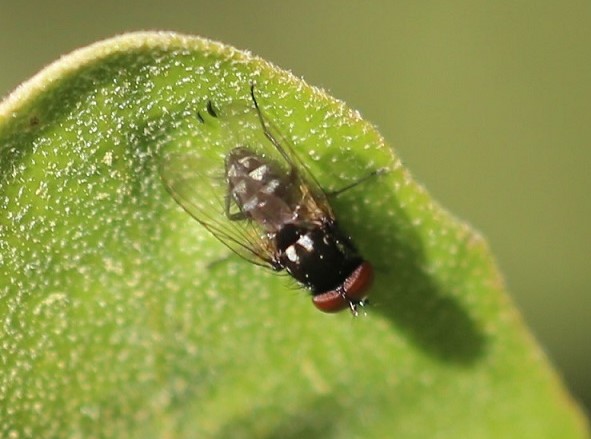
[309, 246]
[275, 213]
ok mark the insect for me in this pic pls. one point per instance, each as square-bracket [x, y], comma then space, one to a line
[247, 187]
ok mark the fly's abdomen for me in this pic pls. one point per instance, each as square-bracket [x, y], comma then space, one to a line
[261, 190]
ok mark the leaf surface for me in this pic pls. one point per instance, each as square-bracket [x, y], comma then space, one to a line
[123, 317]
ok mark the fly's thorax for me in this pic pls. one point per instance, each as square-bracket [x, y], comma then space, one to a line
[318, 255]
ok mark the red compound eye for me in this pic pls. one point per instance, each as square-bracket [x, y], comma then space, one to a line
[348, 295]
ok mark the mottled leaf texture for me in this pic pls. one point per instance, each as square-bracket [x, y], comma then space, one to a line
[122, 316]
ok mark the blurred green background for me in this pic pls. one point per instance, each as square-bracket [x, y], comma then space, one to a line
[487, 103]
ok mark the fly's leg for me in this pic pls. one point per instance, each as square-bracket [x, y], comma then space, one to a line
[282, 151]
[233, 216]
[369, 176]
[266, 130]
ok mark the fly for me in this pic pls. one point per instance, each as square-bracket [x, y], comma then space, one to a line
[267, 207]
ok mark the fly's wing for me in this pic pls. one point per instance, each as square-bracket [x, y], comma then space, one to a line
[313, 198]
[193, 171]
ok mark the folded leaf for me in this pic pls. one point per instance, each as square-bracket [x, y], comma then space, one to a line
[123, 317]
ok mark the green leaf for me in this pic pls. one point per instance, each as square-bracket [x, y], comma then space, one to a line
[123, 317]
